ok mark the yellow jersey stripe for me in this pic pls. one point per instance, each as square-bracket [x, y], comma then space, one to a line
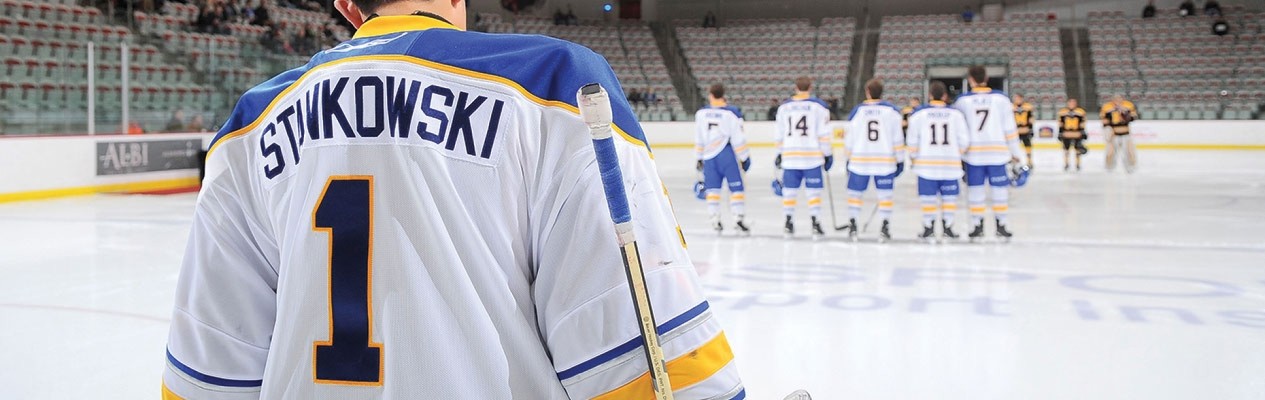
[685, 371]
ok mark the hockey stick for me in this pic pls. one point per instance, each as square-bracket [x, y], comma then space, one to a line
[830, 196]
[595, 110]
[870, 218]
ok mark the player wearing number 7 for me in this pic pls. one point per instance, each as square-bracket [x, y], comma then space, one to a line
[418, 214]
[875, 148]
[994, 143]
[938, 136]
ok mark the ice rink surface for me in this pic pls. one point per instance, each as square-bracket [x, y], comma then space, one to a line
[1143, 286]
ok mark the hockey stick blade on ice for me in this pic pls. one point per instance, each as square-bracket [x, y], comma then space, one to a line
[595, 109]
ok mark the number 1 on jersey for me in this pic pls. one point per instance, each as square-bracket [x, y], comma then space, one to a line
[345, 213]
[946, 134]
[802, 126]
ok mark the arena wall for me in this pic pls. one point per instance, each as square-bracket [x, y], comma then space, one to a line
[58, 166]
[1178, 135]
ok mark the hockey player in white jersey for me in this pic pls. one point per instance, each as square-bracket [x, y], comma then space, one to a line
[803, 152]
[875, 149]
[417, 213]
[938, 136]
[994, 144]
[719, 144]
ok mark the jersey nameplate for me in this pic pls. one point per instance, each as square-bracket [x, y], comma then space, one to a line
[377, 108]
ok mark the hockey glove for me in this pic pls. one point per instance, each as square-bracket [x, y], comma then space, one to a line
[777, 162]
[746, 164]
[699, 167]
[900, 168]
[830, 162]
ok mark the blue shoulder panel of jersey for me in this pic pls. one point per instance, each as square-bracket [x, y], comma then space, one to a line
[734, 110]
[549, 68]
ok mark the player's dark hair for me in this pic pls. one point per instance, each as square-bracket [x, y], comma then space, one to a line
[938, 91]
[874, 87]
[717, 90]
[371, 6]
[978, 74]
[803, 83]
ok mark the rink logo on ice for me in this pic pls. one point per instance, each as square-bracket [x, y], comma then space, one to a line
[398, 109]
[1097, 298]
[130, 157]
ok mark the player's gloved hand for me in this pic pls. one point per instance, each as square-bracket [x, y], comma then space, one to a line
[830, 162]
[900, 168]
[746, 164]
[699, 166]
[777, 162]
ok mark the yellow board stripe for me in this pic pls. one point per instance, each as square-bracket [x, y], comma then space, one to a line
[685, 371]
[165, 184]
[424, 63]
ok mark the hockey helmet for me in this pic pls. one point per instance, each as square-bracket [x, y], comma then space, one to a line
[777, 187]
[1019, 175]
[699, 191]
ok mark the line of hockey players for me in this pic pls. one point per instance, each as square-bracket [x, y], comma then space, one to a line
[974, 139]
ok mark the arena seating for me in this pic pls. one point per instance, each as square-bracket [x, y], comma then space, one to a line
[758, 60]
[629, 47]
[1027, 43]
[1173, 67]
[45, 62]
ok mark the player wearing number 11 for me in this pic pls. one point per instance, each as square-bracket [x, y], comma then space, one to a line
[938, 136]
[418, 213]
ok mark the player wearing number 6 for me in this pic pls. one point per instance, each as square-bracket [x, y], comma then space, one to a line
[803, 152]
[419, 213]
[875, 148]
[938, 136]
[994, 143]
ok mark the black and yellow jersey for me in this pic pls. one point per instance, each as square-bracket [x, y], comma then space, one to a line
[1118, 118]
[904, 118]
[1023, 118]
[1071, 122]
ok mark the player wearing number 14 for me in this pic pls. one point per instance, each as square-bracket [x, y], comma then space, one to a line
[419, 213]
[803, 151]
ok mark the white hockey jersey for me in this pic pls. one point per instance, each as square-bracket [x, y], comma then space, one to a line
[717, 126]
[991, 117]
[803, 135]
[938, 136]
[417, 214]
[874, 142]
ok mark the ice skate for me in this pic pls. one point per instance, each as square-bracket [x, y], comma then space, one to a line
[977, 232]
[817, 232]
[851, 227]
[717, 225]
[741, 227]
[948, 232]
[1002, 233]
[928, 233]
[789, 230]
[884, 233]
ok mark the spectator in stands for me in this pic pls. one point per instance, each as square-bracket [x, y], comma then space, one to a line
[634, 97]
[207, 18]
[1220, 28]
[135, 128]
[968, 15]
[176, 123]
[1186, 9]
[709, 20]
[651, 97]
[833, 102]
[772, 115]
[1212, 8]
[196, 124]
[570, 17]
[1149, 10]
[261, 16]
[558, 17]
